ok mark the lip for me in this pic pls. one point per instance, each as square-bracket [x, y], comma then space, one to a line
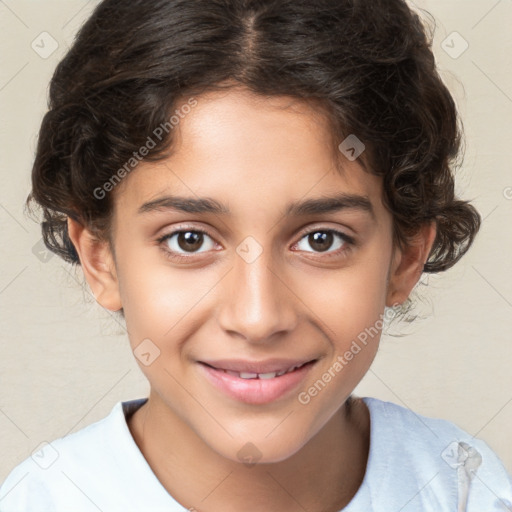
[256, 391]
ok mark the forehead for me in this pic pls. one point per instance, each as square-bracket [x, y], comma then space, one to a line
[245, 149]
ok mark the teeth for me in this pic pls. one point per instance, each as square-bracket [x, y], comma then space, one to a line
[269, 375]
[244, 375]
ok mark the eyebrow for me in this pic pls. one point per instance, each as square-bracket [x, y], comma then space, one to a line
[321, 205]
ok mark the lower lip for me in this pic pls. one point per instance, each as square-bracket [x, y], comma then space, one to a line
[256, 391]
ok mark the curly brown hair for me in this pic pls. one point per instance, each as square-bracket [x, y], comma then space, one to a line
[368, 64]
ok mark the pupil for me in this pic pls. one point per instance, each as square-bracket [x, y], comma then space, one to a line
[190, 240]
[321, 240]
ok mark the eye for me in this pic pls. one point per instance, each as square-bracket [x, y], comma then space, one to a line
[182, 244]
[321, 240]
[186, 241]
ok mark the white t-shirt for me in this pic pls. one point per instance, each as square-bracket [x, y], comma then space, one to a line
[415, 464]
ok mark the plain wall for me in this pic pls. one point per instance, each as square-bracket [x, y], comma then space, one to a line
[65, 362]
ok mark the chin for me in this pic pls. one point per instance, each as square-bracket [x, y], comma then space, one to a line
[256, 449]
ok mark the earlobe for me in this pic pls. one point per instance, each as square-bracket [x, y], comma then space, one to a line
[98, 265]
[408, 263]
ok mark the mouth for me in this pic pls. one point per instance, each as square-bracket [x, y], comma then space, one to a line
[256, 383]
[262, 375]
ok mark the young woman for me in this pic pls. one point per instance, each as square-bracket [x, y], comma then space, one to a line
[254, 185]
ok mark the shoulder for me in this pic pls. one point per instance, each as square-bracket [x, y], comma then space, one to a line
[438, 455]
[70, 469]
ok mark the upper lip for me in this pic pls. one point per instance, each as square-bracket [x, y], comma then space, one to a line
[267, 366]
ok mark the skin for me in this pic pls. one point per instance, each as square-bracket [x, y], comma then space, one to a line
[254, 155]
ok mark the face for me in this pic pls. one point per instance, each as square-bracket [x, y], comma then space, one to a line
[236, 275]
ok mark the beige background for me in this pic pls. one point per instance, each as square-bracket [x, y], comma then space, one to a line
[64, 362]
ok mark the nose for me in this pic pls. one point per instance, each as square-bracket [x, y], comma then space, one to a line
[256, 303]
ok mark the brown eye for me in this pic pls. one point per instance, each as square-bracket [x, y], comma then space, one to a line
[320, 241]
[190, 240]
[324, 240]
[187, 241]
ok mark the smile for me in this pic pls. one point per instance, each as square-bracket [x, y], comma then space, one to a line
[256, 383]
[269, 375]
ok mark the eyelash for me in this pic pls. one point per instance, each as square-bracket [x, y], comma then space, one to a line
[349, 242]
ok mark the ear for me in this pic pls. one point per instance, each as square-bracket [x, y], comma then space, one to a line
[98, 265]
[408, 263]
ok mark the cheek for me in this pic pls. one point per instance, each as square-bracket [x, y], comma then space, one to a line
[156, 297]
[348, 300]
[350, 305]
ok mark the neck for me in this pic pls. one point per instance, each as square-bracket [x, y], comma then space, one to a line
[322, 476]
